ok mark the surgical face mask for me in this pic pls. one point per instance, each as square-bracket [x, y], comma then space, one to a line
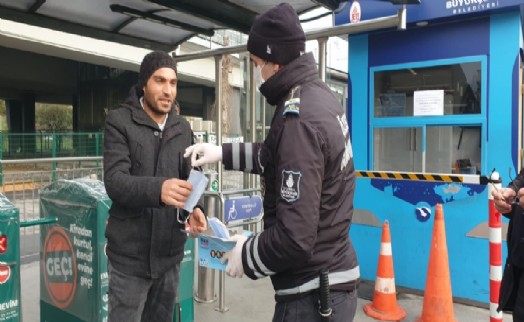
[259, 80]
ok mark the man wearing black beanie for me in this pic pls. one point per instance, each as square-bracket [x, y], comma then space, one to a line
[307, 178]
[145, 177]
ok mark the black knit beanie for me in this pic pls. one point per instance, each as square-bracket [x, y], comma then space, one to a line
[151, 62]
[277, 36]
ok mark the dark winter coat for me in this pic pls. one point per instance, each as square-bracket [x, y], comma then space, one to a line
[515, 260]
[308, 183]
[144, 237]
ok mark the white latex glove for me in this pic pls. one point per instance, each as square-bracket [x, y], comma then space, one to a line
[208, 153]
[234, 257]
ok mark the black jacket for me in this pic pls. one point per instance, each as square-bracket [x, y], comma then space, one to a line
[515, 260]
[308, 183]
[144, 237]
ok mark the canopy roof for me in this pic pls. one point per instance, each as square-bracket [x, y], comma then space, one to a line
[152, 24]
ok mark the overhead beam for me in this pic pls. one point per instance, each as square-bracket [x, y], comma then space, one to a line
[35, 6]
[222, 13]
[151, 16]
[38, 20]
[330, 4]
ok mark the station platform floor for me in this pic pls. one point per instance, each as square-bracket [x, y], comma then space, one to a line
[252, 301]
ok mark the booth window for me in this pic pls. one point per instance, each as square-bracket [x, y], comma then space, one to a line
[428, 119]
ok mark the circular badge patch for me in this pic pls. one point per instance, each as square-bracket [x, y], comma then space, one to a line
[355, 12]
[59, 267]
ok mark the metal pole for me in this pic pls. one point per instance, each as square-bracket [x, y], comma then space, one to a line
[322, 44]
[402, 17]
[53, 153]
[1, 158]
[41, 221]
[206, 276]
[41, 160]
[253, 103]
[218, 99]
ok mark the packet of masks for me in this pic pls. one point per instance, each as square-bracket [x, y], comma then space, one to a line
[218, 228]
[199, 182]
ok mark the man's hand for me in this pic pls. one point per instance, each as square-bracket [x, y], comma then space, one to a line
[503, 198]
[175, 192]
[234, 257]
[519, 198]
[207, 152]
[197, 222]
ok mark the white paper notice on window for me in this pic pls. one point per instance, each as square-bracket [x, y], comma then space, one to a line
[428, 102]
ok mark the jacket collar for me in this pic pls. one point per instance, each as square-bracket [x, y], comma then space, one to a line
[297, 72]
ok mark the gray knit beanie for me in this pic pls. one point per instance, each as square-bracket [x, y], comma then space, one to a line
[151, 62]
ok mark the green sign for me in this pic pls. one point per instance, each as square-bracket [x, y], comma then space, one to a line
[9, 262]
[214, 185]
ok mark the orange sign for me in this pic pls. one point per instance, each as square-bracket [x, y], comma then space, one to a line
[3, 244]
[59, 267]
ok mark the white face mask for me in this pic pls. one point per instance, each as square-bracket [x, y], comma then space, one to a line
[259, 80]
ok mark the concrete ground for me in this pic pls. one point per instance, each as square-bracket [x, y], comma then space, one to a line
[251, 301]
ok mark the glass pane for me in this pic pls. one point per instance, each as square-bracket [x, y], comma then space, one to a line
[453, 149]
[460, 85]
[397, 149]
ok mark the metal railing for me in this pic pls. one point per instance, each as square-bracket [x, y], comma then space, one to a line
[21, 185]
[50, 144]
[44, 147]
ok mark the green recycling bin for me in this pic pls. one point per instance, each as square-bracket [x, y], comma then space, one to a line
[9, 261]
[73, 274]
[185, 306]
[73, 279]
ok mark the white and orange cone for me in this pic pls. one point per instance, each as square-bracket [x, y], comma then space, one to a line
[384, 305]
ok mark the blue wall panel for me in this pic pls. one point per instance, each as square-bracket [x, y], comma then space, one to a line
[496, 38]
[503, 93]
[430, 43]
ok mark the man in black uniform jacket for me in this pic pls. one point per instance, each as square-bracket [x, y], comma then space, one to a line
[307, 178]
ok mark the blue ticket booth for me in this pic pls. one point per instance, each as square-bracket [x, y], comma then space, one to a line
[442, 96]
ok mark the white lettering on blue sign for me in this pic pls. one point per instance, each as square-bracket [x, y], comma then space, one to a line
[467, 6]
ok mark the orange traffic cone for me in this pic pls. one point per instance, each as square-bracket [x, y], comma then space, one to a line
[384, 305]
[438, 301]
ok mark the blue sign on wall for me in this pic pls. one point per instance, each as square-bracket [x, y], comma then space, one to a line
[242, 208]
[426, 10]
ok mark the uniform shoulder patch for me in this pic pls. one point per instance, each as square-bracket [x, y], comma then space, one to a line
[290, 188]
[292, 104]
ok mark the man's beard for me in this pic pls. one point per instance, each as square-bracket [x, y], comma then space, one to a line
[154, 108]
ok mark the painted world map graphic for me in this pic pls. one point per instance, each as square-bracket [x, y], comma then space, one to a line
[414, 192]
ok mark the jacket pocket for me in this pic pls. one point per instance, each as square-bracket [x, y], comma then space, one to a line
[127, 235]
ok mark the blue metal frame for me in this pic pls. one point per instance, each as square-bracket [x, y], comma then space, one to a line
[423, 121]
